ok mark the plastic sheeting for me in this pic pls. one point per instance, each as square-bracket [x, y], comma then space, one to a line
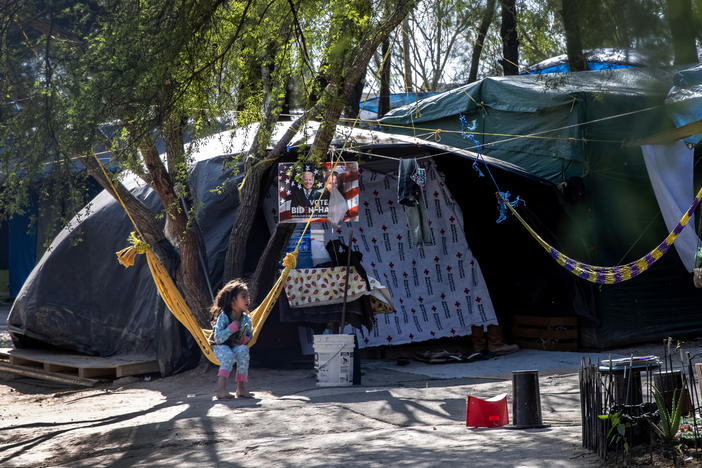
[684, 101]
[548, 108]
[595, 59]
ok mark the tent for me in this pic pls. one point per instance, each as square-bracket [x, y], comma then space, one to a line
[572, 129]
[79, 298]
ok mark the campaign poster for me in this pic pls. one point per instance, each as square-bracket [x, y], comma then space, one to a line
[327, 192]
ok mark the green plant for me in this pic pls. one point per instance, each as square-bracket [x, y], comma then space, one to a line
[617, 430]
[669, 423]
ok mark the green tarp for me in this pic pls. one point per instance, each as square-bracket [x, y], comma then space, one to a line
[536, 121]
[576, 124]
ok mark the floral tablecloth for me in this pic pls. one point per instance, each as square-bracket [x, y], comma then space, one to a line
[322, 286]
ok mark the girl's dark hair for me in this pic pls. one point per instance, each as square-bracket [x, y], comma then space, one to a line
[225, 296]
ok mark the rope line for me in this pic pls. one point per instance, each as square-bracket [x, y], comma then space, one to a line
[119, 199]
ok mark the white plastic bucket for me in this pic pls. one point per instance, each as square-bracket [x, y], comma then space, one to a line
[333, 360]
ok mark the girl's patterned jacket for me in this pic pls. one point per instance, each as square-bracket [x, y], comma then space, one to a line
[224, 328]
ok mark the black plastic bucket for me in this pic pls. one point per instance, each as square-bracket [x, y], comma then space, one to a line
[526, 400]
[627, 386]
[667, 383]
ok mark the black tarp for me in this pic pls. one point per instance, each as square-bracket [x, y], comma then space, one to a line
[79, 298]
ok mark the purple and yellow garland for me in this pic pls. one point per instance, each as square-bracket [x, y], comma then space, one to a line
[619, 273]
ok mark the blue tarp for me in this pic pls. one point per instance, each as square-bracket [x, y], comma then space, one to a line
[565, 68]
[684, 101]
[595, 59]
[22, 250]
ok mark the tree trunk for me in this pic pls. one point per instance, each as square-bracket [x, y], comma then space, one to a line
[510, 42]
[363, 54]
[182, 261]
[144, 219]
[571, 25]
[287, 102]
[352, 108]
[192, 268]
[437, 59]
[384, 98]
[682, 28]
[247, 210]
[266, 271]
[341, 86]
[179, 244]
[327, 127]
[409, 84]
[482, 32]
[255, 165]
[249, 195]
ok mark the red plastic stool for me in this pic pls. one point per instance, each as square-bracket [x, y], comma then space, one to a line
[487, 413]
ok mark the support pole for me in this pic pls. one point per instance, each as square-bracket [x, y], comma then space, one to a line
[346, 282]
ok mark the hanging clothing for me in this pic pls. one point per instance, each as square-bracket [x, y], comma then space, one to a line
[410, 195]
[338, 207]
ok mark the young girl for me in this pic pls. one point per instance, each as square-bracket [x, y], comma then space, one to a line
[231, 334]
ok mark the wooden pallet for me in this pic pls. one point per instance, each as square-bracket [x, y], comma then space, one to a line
[74, 368]
[547, 333]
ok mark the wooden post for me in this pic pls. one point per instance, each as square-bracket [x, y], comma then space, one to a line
[698, 370]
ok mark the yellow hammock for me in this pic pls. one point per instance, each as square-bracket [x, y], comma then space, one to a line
[175, 302]
[172, 297]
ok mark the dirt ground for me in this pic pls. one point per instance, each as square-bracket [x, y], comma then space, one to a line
[395, 418]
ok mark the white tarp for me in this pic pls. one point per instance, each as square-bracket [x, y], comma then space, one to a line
[670, 168]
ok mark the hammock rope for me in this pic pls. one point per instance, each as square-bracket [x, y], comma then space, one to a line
[613, 274]
[166, 287]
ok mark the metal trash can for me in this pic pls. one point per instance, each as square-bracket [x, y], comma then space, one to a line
[526, 400]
